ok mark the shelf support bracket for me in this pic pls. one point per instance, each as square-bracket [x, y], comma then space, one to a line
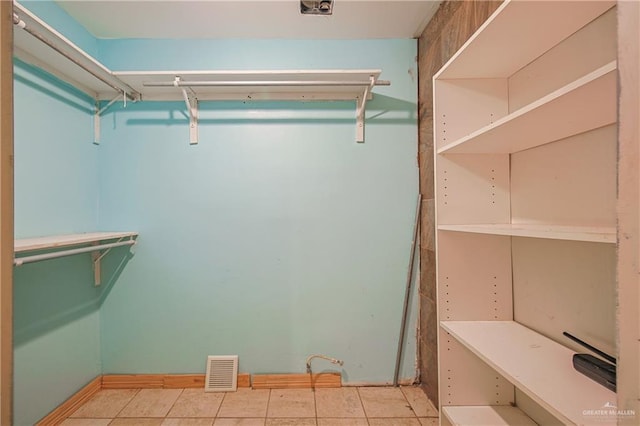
[97, 269]
[360, 109]
[192, 108]
[96, 257]
[98, 113]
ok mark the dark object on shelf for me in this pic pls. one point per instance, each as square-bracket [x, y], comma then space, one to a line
[600, 371]
[596, 369]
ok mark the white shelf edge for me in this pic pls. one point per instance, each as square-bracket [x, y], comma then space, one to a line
[555, 232]
[538, 366]
[140, 79]
[473, 143]
[540, 26]
[70, 70]
[494, 415]
[224, 74]
[56, 241]
[41, 45]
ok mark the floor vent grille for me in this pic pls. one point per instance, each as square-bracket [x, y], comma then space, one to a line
[222, 373]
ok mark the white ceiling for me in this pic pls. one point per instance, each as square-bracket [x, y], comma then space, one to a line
[351, 19]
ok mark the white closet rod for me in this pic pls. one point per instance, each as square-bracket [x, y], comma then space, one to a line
[38, 257]
[22, 24]
[266, 83]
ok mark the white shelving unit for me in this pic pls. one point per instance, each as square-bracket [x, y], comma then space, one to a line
[96, 243]
[482, 56]
[570, 233]
[484, 416]
[526, 128]
[526, 169]
[536, 364]
[38, 43]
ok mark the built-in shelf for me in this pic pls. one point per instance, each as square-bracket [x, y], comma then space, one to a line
[498, 415]
[585, 104]
[517, 32]
[525, 168]
[96, 243]
[38, 43]
[248, 85]
[553, 232]
[60, 241]
[538, 366]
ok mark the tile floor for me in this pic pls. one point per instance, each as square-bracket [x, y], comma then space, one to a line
[347, 406]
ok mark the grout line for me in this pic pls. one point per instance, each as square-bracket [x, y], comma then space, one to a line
[315, 404]
[406, 399]
[127, 404]
[224, 395]
[266, 413]
[361, 404]
[174, 403]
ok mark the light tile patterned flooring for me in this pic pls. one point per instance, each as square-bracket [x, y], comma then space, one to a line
[346, 406]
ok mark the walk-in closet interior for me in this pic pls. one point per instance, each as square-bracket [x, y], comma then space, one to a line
[428, 193]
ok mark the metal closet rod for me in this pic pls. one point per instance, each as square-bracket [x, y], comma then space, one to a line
[38, 257]
[265, 83]
[22, 24]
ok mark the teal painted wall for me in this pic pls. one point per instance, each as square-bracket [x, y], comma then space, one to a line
[60, 20]
[56, 307]
[274, 238]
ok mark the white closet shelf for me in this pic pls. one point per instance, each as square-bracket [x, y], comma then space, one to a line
[59, 241]
[494, 415]
[246, 85]
[38, 43]
[41, 45]
[524, 29]
[68, 245]
[298, 85]
[585, 104]
[538, 366]
[553, 232]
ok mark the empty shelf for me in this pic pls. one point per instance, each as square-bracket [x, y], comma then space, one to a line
[52, 242]
[62, 245]
[487, 415]
[537, 365]
[253, 85]
[524, 29]
[553, 232]
[585, 104]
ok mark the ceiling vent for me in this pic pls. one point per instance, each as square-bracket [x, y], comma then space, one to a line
[316, 7]
[222, 373]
